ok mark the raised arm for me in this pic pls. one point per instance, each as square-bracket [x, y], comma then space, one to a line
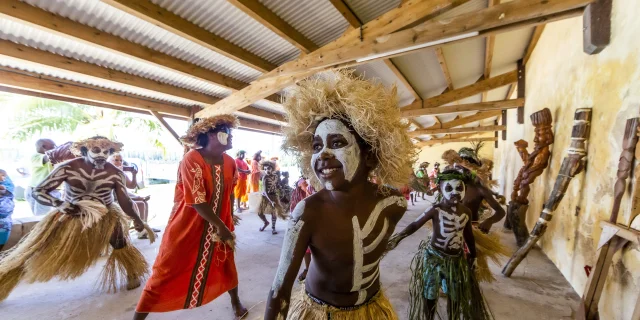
[487, 194]
[125, 201]
[293, 249]
[41, 192]
[411, 228]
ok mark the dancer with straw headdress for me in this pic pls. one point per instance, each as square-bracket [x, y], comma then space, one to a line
[270, 202]
[441, 262]
[342, 129]
[71, 238]
[195, 263]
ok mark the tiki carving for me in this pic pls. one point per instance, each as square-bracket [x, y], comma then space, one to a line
[572, 164]
[534, 164]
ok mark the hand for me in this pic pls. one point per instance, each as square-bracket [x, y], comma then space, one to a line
[70, 209]
[145, 199]
[225, 235]
[393, 242]
[473, 263]
[138, 224]
[485, 226]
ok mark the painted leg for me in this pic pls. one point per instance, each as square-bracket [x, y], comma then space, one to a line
[238, 309]
[238, 205]
[264, 219]
[127, 257]
[274, 217]
[430, 308]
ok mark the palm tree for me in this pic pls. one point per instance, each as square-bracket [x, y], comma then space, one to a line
[37, 115]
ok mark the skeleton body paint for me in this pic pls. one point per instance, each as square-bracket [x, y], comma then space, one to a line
[349, 155]
[451, 228]
[453, 190]
[360, 282]
[289, 244]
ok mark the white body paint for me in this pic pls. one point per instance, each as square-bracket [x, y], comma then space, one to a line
[451, 228]
[455, 185]
[360, 282]
[349, 156]
[223, 137]
[289, 244]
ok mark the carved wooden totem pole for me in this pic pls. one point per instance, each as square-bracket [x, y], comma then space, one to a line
[572, 164]
[534, 164]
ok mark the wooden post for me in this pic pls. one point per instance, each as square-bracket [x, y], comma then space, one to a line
[521, 88]
[597, 26]
[572, 164]
[504, 123]
[166, 125]
[496, 134]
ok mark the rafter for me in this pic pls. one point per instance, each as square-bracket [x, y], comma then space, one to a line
[165, 125]
[535, 36]
[469, 119]
[346, 12]
[456, 130]
[159, 16]
[482, 106]
[444, 67]
[437, 141]
[490, 42]
[392, 66]
[273, 22]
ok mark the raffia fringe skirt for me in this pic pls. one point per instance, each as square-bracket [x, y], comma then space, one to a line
[272, 205]
[304, 307]
[65, 247]
[488, 246]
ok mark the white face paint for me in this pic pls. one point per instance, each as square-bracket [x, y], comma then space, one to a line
[348, 156]
[453, 190]
[98, 156]
[223, 137]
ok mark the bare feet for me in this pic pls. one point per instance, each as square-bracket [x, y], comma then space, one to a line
[266, 224]
[274, 231]
[303, 275]
[133, 283]
[239, 310]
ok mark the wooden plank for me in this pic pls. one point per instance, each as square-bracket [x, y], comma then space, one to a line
[445, 70]
[273, 22]
[346, 12]
[624, 232]
[504, 123]
[402, 79]
[18, 51]
[436, 141]
[481, 106]
[67, 28]
[259, 126]
[165, 125]
[521, 88]
[495, 123]
[80, 101]
[470, 90]
[152, 13]
[472, 118]
[256, 112]
[597, 26]
[456, 130]
[390, 21]
[535, 37]
[512, 89]
[39, 83]
[490, 42]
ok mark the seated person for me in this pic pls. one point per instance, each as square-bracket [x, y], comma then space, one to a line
[6, 207]
[342, 129]
[131, 174]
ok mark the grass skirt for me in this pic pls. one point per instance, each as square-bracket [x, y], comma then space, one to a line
[488, 247]
[305, 308]
[64, 247]
[432, 271]
[271, 205]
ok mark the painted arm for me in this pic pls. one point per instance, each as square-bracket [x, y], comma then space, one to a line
[410, 229]
[294, 247]
[126, 203]
[41, 192]
[469, 239]
[487, 194]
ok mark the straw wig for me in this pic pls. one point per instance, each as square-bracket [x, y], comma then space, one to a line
[368, 107]
[204, 125]
[268, 163]
[80, 148]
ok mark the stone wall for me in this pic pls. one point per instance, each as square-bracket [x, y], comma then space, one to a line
[561, 77]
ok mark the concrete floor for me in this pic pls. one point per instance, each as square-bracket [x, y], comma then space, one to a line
[537, 290]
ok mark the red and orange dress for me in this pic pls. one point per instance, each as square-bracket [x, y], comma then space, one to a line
[191, 268]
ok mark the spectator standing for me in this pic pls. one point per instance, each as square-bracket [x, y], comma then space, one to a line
[41, 166]
[240, 189]
[255, 171]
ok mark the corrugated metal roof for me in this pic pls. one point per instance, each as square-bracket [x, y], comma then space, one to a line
[225, 20]
[319, 21]
[377, 70]
[367, 10]
[111, 20]
[423, 71]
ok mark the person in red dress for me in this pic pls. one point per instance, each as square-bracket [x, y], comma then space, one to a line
[195, 263]
[240, 189]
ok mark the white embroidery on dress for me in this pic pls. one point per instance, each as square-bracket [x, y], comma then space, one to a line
[198, 183]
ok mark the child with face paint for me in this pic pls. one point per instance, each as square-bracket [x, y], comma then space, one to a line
[270, 203]
[342, 129]
[441, 262]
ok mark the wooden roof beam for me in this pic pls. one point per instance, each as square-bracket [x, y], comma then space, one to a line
[273, 22]
[431, 142]
[482, 106]
[258, 126]
[456, 130]
[469, 119]
[375, 42]
[490, 42]
[444, 67]
[535, 37]
[152, 13]
[346, 12]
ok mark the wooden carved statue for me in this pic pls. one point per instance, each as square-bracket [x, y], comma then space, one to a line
[534, 164]
[572, 164]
